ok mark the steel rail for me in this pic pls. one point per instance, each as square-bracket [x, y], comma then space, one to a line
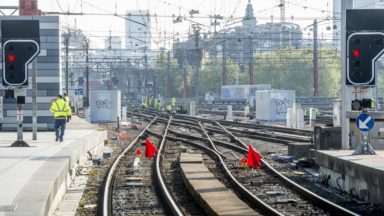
[225, 144]
[275, 128]
[107, 192]
[277, 136]
[164, 189]
[306, 193]
[251, 126]
[334, 208]
[246, 193]
[210, 141]
[258, 136]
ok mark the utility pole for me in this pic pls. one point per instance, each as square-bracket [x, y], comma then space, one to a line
[282, 11]
[155, 82]
[145, 74]
[215, 23]
[315, 62]
[224, 61]
[196, 29]
[111, 76]
[66, 43]
[86, 101]
[250, 64]
[110, 40]
[185, 75]
[169, 76]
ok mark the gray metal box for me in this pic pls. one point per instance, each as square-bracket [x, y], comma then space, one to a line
[104, 106]
[327, 138]
[272, 105]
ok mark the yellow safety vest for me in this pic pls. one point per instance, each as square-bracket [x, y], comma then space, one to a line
[69, 104]
[60, 109]
[66, 98]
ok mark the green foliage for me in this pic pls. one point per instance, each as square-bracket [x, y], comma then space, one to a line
[293, 69]
[210, 75]
[286, 69]
[329, 72]
[380, 77]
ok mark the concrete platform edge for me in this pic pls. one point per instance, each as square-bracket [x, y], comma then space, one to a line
[53, 178]
[351, 176]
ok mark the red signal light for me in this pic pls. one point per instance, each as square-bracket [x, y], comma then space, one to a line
[11, 58]
[356, 53]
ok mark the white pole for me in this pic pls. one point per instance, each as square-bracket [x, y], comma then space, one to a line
[346, 92]
[34, 104]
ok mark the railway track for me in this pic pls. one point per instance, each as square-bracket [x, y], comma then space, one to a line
[119, 187]
[172, 178]
[263, 132]
[271, 187]
[266, 190]
[155, 188]
[138, 189]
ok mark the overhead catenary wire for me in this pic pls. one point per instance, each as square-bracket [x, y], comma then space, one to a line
[167, 36]
[172, 37]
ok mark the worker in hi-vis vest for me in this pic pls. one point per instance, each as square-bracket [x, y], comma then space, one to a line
[61, 111]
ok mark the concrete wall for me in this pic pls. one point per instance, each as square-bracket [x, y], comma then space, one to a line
[347, 173]
[48, 76]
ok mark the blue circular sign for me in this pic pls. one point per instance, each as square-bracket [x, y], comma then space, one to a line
[365, 122]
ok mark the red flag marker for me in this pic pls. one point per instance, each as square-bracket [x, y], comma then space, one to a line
[254, 158]
[138, 152]
[150, 149]
[244, 162]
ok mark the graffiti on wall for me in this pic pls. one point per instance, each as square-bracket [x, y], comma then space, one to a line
[281, 103]
[238, 93]
[104, 103]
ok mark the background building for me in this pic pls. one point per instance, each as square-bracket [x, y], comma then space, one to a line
[112, 42]
[137, 32]
[242, 41]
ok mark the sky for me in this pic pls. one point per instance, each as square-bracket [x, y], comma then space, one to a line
[302, 12]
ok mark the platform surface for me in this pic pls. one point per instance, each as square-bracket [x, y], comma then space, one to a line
[31, 176]
[210, 193]
[371, 161]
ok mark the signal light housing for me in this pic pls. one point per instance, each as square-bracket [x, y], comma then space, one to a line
[363, 49]
[358, 105]
[17, 54]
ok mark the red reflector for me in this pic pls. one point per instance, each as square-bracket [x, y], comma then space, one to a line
[356, 53]
[11, 58]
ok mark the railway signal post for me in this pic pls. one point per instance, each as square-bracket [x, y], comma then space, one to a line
[364, 45]
[19, 49]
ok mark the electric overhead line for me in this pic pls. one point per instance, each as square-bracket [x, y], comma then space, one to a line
[163, 16]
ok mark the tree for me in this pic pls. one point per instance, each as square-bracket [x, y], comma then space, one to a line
[292, 69]
[285, 69]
